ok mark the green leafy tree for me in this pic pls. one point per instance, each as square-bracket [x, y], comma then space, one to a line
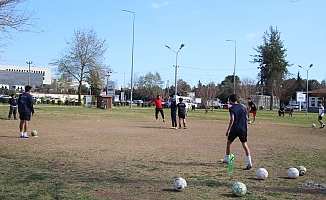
[271, 58]
[226, 87]
[149, 86]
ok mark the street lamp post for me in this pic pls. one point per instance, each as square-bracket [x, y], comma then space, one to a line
[235, 62]
[29, 72]
[132, 55]
[307, 100]
[176, 67]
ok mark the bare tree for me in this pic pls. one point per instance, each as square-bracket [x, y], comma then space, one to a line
[82, 58]
[15, 19]
[247, 88]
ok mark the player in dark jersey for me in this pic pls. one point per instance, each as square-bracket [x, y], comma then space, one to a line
[173, 106]
[13, 107]
[252, 109]
[182, 112]
[25, 110]
[237, 128]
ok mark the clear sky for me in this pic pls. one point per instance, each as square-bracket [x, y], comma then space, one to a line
[202, 25]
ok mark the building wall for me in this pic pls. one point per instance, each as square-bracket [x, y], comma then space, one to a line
[46, 72]
[12, 80]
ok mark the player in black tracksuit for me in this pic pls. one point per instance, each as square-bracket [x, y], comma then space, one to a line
[182, 112]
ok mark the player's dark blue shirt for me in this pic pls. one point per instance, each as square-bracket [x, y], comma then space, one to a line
[13, 102]
[240, 118]
[181, 107]
[173, 105]
[25, 103]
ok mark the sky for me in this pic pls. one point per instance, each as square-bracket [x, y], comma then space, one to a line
[203, 26]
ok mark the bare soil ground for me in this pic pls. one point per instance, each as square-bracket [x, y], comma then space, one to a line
[112, 155]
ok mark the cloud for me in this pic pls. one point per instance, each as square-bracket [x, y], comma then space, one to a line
[252, 36]
[158, 5]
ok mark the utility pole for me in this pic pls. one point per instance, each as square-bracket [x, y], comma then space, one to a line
[29, 72]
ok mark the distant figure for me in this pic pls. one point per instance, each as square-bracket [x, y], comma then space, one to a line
[237, 128]
[173, 106]
[321, 111]
[26, 110]
[182, 112]
[281, 111]
[13, 107]
[252, 109]
[158, 107]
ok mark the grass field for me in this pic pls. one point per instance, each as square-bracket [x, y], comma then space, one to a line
[122, 153]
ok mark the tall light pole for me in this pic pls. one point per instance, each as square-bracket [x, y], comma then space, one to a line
[235, 62]
[29, 72]
[132, 54]
[176, 67]
[307, 100]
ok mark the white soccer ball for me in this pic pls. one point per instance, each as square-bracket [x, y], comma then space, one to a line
[262, 173]
[302, 170]
[293, 172]
[239, 189]
[179, 184]
[313, 125]
[34, 133]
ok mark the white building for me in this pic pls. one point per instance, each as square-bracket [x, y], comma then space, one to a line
[46, 72]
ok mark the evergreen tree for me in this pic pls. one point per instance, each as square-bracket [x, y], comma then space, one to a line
[271, 58]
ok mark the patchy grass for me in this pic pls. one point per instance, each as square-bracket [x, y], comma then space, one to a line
[121, 153]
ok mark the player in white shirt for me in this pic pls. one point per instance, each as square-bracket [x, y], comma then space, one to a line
[321, 114]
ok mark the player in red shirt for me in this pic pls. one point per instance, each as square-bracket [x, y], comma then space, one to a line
[158, 104]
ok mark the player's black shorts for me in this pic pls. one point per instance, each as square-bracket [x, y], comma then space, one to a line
[182, 115]
[242, 136]
[25, 116]
[320, 118]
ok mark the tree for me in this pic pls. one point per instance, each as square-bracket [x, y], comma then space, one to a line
[14, 19]
[248, 87]
[82, 58]
[183, 87]
[271, 58]
[226, 87]
[149, 85]
[207, 92]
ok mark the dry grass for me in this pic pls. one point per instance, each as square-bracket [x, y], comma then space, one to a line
[123, 154]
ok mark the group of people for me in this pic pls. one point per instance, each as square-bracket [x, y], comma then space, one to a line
[180, 107]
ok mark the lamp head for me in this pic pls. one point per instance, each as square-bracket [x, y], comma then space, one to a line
[181, 46]
[167, 46]
[299, 66]
[124, 10]
[311, 65]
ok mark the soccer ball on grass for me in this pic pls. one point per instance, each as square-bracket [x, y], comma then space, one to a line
[239, 189]
[34, 133]
[313, 125]
[302, 170]
[179, 184]
[262, 173]
[293, 172]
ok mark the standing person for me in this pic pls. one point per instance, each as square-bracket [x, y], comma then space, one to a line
[173, 106]
[237, 128]
[158, 106]
[252, 109]
[321, 114]
[182, 112]
[26, 110]
[13, 107]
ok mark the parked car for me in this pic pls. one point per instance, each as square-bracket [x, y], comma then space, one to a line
[38, 100]
[226, 106]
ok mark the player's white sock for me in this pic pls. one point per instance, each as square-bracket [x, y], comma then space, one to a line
[21, 134]
[25, 134]
[249, 160]
[227, 157]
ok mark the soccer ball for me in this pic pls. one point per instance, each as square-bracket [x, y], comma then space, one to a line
[179, 184]
[293, 172]
[313, 125]
[239, 189]
[34, 133]
[231, 157]
[302, 170]
[262, 173]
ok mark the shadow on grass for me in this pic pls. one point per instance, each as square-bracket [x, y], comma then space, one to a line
[7, 136]
[186, 163]
[153, 127]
